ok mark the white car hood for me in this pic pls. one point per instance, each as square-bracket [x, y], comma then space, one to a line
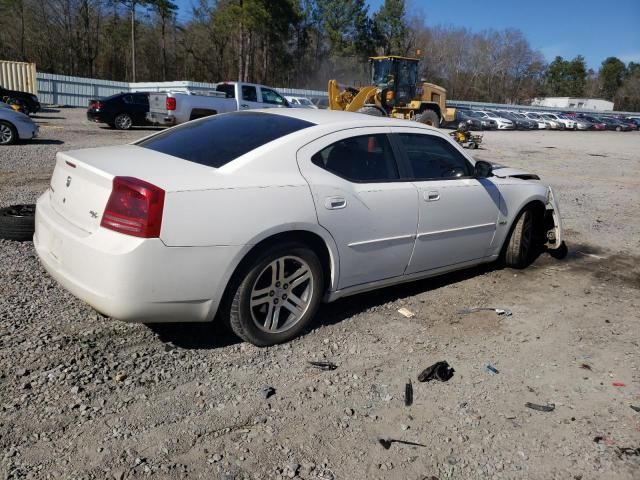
[501, 171]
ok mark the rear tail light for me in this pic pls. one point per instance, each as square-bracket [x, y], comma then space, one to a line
[171, 103]
[134, 208]
[95, 104]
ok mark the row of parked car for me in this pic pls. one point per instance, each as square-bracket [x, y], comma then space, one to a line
[529, 120]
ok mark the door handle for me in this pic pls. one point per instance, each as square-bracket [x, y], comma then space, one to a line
[431, 196]
[335, 203]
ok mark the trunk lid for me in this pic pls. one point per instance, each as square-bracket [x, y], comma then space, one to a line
[158, 103]
[82, 179]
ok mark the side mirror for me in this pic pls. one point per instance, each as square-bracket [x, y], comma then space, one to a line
[483, 169]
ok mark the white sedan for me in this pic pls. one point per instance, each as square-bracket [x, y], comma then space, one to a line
[254, 218]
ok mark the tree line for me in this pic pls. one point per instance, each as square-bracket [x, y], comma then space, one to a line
[293, 43]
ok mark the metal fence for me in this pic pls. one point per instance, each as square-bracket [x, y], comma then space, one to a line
[77, 91]
[18, 76]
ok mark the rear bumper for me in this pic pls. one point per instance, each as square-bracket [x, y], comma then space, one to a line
[129, 278]
[98, 117]
[161, 119]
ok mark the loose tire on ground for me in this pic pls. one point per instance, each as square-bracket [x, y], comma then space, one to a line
[520, 245]
[17, 222]
[8, 133]
[429, 117]
[247, 301]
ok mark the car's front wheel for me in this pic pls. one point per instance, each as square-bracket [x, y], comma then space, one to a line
[521, 244]
[8, 133]
[277, 295]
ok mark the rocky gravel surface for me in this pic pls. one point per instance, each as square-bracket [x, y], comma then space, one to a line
[86, 397]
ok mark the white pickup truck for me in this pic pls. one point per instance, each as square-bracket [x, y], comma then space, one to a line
[173, 108]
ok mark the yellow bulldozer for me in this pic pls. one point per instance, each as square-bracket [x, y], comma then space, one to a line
[394, 92]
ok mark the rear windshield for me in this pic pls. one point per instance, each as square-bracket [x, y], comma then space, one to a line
[219, 139]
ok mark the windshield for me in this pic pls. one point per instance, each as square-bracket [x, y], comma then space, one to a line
[381, 72]
[533, 115]
[305, 101]
[476, 114]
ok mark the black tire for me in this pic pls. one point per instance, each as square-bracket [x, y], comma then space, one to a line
[8, 133]
[17, 222]
[429, 117]
[123, 121]
[520, 246]
[239, 314]
[373, 111]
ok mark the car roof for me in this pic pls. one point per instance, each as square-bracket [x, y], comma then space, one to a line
[342, 119]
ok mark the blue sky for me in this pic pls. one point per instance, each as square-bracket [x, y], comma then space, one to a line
[595, 29]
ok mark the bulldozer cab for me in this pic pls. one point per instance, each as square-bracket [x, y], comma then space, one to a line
[396, 77]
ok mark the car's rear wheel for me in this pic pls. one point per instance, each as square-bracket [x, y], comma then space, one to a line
[123, 121]
[8, 133]
[522, 241]
[277, 295]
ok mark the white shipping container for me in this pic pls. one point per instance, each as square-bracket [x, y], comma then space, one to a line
[18, 76]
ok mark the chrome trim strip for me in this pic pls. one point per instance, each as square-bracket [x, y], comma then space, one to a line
[452, 230]
[382, 240]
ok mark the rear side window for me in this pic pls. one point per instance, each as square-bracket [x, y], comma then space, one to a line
[228, 89]
[219, 139]
[432, 157]
[249, 93]
[141, 99]
[362, 159]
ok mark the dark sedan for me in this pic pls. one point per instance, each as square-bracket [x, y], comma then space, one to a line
[121, 111]
[28, 101]
[615, 124]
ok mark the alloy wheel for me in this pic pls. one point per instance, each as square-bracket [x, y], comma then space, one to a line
[6, 134]
[281, 294]
[123, 122]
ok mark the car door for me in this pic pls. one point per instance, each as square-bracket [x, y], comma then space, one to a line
[140, 108]
[271, 98]
[363, 199]
[457, 212]
[249, 97]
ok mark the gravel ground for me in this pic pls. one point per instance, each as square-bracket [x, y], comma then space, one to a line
[86, 397]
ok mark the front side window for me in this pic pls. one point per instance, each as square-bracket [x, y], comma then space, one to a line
[249, 93]
[433, 157]
[272, 97]
[361, 159]
[127, 98]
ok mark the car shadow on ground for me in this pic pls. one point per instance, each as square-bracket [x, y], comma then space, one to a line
[149, 128]
[194, 336]
[44, 141]
[204, 336]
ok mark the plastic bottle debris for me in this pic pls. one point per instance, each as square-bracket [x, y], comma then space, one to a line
[323, 365]
[499, 311]
[408, 394]
[438, 371]
[619, 384]
[491, 368]
[406, 313]
[541, 408]
[386, 443]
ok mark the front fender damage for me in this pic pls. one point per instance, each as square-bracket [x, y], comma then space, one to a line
[553, 222]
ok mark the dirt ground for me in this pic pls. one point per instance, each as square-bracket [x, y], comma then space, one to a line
[85, 397]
